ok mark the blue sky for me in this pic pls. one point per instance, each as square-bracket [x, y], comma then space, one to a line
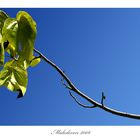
[99, 49]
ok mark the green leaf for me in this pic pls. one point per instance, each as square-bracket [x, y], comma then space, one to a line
[3, 76]
[14, 77]
[17, 37]
[1, 54]
[3, 17]
[10, 34]
[35, 61]
[1, 51]
[27, 35]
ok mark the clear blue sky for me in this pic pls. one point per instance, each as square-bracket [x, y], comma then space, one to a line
[99, 49]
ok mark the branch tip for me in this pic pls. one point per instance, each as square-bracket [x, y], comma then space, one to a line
[103, 98]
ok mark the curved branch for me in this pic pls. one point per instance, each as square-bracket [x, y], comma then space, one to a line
[76, 90]
[85, 106]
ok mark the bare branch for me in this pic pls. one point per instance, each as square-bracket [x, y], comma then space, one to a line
[76, 90]
[85, 106]
[68, 87]
[102, 99]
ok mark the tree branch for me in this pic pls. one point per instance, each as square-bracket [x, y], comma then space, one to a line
[85, 106]
[76, 90]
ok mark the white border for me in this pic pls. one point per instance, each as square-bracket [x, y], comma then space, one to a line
[70, 3]
[46, 132]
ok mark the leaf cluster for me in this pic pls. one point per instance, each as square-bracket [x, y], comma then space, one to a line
[17, 38]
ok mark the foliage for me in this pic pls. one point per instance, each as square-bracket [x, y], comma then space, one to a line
[17, 38]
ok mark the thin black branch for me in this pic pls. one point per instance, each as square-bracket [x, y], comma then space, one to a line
[85, 106]
[76, 90]
[102, 99]
[68, 87]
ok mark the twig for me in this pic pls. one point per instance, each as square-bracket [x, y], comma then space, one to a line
[102, 99]
[76, 90]
[85, 106]
[68, 87]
